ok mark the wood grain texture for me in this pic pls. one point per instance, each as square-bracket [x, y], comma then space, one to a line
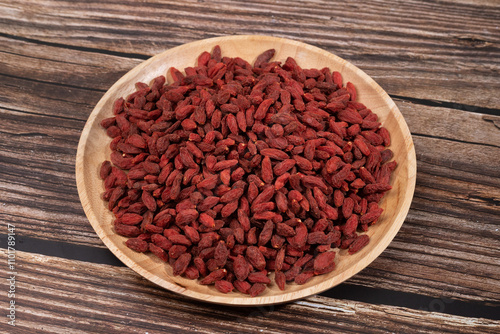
[71, 68]
[56, 295]
[432, 50]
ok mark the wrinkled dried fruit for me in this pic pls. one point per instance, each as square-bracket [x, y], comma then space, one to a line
[224, 286]
[324, 262]
[279, 278]
[256, 289]
[138, 245]
[214, 276]
[256, 258]
[360, 242]
[181, 264]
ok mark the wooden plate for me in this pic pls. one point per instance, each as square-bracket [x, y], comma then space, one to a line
[93, 148]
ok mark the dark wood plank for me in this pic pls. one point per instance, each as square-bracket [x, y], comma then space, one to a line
[59, 66]
[452, 124]
[60, 294]
[442, 50]
[37, 187]
[446, 244]
[52, 100]
[447, 235]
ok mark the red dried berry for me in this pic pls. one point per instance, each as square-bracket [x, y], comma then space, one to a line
[224, 286]
[181, 264]
[137, 245]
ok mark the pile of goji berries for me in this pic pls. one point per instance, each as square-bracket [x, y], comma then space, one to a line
[234, 171]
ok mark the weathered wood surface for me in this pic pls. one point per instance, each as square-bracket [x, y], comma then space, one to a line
[399, 43]
[56, 295]
[439, 60]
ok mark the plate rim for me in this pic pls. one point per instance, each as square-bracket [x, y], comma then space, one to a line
[259, 300]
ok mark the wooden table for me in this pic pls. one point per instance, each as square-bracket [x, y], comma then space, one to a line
[439, 61]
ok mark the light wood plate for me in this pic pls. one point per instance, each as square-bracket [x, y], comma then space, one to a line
[93, 148]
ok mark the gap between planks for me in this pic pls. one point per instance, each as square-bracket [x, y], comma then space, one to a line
[54, 290]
